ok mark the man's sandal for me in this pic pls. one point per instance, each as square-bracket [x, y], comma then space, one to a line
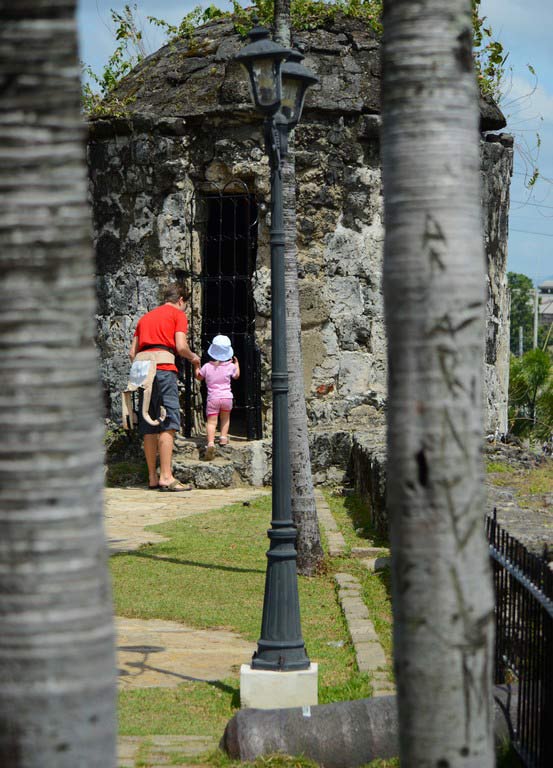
[175, 487]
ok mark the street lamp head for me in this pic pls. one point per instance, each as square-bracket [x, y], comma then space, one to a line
[262, 59]
[296, 79]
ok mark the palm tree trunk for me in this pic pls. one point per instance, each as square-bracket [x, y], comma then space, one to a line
[304, 511]
[434, 287]
[57, 670]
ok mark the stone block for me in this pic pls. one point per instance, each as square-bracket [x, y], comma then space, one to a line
[376, 564]
[363, 633]
[354, 609]
[369, 552]
[312, 350]
[264, 689]
[369, 655]
[345, 578]
[313, 307]
[357, 372]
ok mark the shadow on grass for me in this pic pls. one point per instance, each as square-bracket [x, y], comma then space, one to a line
[192, 563]
[385, 578]
[360, 516]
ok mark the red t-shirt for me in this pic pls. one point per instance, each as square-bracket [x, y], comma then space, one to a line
[159, 327]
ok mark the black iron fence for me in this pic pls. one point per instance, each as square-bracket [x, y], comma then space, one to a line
[524, 641]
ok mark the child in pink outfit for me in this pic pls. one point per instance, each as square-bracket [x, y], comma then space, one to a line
[217, 374]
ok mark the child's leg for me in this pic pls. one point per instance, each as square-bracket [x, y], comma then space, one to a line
[210, 428]
[225, 423]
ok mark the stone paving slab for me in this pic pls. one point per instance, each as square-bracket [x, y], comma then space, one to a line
[129, 510]
[154, 653]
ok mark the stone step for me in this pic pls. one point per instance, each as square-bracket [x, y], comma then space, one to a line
[241, 462]
[218, 473]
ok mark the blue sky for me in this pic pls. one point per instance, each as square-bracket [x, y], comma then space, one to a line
[524, 28]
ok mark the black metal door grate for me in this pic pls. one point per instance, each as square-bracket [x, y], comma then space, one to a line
[225, 221]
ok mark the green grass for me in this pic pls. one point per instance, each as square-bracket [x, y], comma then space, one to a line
[128, 472]
[220, 760]
[496, 466]
[211, 573]
[353, 519]
[196, 708]
[529, 485]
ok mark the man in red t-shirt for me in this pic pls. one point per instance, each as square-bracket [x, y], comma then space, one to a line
[165, 326]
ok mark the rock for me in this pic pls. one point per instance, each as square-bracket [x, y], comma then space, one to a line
[204, 474]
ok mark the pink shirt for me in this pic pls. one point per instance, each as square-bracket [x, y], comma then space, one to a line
[217, 376]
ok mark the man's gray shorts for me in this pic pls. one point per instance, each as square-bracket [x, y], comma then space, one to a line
[169, 392]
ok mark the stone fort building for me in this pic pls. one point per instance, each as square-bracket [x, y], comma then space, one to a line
[180, 189]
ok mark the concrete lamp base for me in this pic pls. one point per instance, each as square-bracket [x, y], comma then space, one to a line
[262, 689]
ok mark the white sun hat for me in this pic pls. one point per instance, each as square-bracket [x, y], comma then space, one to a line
[220, 349]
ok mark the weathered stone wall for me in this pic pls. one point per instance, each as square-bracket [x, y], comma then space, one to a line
[140, 202]
[143, 181]
[189, 123]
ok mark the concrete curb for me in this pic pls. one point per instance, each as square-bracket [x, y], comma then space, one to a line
[336, 543]
[368, 650]
[369, 653]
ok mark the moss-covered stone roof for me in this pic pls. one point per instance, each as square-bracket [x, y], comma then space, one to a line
[197, 77]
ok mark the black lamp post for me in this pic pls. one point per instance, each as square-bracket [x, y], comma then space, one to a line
[278, 91]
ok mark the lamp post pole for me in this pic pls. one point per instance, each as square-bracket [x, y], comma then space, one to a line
[281, 646]
[278, 90]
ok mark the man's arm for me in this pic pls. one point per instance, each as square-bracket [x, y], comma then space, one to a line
[133, 349]
[183, 350]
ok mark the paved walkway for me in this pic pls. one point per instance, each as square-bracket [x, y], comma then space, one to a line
[129, 510]
[162, 654]
[156, 653]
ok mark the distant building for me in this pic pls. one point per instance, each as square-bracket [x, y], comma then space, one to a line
[545, 295]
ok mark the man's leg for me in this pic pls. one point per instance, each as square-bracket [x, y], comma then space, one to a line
[150, 452]
[167, 383]
[166, 443]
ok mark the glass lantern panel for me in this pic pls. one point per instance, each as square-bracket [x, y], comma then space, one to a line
[265, 79]
[292, 92]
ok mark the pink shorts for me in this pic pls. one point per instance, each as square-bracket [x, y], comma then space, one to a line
[217, 405]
